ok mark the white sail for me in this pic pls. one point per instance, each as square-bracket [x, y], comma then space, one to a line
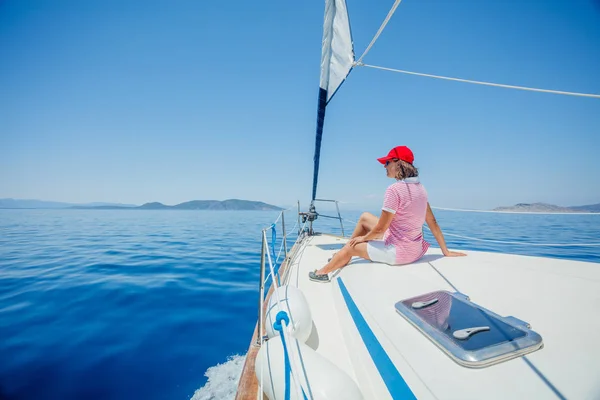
[337, 54]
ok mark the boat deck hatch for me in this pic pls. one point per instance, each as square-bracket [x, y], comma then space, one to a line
[470, 334]
[334, 246]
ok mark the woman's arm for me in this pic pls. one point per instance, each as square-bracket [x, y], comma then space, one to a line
[377, 232]
[437, 233]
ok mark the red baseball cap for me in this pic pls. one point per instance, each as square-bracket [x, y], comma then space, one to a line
[399, 152]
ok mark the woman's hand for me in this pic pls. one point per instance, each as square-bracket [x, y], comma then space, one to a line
[449, 253]
[354, 241]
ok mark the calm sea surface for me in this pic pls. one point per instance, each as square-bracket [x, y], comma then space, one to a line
[98, 304]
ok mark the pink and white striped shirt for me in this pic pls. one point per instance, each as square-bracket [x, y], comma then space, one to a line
[407, 199]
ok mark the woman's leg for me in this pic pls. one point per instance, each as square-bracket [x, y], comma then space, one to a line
[366, 223]
[343, 257]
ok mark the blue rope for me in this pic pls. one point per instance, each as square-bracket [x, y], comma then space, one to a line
[273, 239]
[282, 316]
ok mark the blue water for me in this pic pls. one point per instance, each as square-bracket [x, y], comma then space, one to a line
[139, 304]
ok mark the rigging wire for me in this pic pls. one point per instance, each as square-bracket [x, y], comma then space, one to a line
[514, 212]
[381, 28]
[531, 89]
[526, 88]
[523, 243]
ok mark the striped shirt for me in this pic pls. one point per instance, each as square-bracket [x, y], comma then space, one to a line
[407, 199]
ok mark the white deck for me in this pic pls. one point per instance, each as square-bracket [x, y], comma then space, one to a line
[559, 298]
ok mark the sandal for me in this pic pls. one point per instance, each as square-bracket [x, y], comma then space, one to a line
[313, 276]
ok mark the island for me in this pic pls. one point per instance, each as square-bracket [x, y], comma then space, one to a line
[231, 204]
[216, 205]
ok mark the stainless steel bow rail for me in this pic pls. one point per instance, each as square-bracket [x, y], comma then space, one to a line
[312, 215]
[304, 218]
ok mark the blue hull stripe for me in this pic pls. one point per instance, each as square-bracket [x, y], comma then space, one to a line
[390, 375]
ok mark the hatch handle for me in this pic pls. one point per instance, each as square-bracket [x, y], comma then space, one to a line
[463, 334]
[417, 305]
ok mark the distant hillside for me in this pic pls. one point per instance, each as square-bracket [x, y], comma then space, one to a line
[153, 206]
[588, 208]
[232, 204]
[19, 203]
[548, 208]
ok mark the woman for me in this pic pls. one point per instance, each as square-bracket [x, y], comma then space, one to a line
[405, 209]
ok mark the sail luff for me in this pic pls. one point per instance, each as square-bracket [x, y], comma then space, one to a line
[320, 122]
[337, 60]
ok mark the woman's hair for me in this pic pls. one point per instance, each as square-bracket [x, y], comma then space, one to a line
[406, 170]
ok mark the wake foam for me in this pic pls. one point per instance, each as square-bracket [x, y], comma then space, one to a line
[222, 380]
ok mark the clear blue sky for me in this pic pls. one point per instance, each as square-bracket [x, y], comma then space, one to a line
[170, 101]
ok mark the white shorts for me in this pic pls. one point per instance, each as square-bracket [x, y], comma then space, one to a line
[381, 253]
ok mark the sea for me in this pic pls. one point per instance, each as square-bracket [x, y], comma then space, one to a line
[143, 304]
